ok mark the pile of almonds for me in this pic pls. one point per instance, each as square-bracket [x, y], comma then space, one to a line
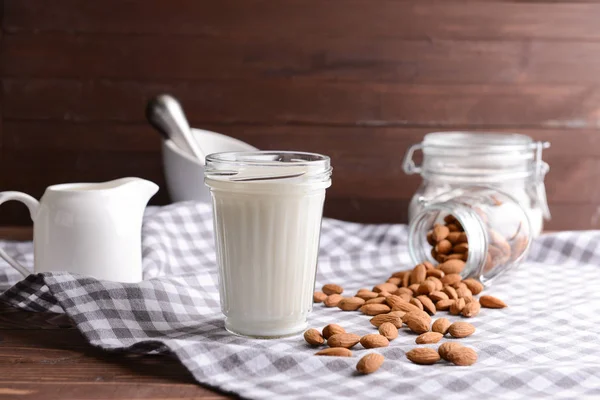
[409, 298]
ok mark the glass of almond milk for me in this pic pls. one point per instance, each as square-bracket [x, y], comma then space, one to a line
[267, 208]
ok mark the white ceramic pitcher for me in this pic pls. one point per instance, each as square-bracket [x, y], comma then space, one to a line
[92, 229]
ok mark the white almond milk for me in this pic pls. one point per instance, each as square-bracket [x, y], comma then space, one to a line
[267, 238]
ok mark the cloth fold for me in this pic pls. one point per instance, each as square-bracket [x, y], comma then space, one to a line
[545, 344]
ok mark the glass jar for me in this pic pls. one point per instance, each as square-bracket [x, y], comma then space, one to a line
[488, 230]
[510, 162]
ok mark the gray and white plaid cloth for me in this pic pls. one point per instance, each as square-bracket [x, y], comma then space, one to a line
[544, 345]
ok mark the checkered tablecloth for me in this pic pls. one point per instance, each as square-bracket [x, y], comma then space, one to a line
[544, 345]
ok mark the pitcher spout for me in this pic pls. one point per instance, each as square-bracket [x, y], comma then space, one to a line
[136, 187]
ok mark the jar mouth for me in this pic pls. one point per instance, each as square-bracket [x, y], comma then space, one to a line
[481, 142]
[263, 166]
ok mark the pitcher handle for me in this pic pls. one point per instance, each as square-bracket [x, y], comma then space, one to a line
[32, 204]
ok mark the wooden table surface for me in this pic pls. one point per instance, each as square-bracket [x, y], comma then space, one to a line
[43, 356]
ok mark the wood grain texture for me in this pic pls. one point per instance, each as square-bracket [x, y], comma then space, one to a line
[359, 80]
[43, 356]
[353, 19]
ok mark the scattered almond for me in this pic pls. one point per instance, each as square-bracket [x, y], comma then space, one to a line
[335, 351]
[437, 296]
[427, 304]
[457, 306]
[418, 274]
[388, 330]
[463, 292]
[435, 273]
[367, 295]
[417, 303]
[462, 356]
[474, 285]
[443, 247]
[444, 305]
[332, 300]
[471, 309]
[403, 290]
[394, 280]
[440, 232]
[319, 297]
[350, 303]
[385, 287]
[417, 321]
[423, 356]
[373, 340]
[399, 304]
[376, 300]
[414, 287]
[313, 337]
[451, 292]
[429, 337]
[491, 302]
[332, 329]
[461, 248]
[445, 348]
[461, 329]
[441, 325]
[450, 279]
[369, 363]
[438, 283]
[426, 287]
[347, 340]
[381, 319]
[375, 309]
[332, 288]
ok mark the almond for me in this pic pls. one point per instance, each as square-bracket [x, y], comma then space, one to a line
[444, 305]
[448, 219]
[438, 283]
[452, 237]
[332, 329]
[417, 321]
[440, 232]
[445, 348]
[457, 256]
[418, 274]
[474, 286]
[423, 356]
[461, 248]
[430, 239]
[373, 340]
[417, 303]
[426, 287]
[457, 306]
[428, 265]
[491, 302]
[332, 288]
[498, 240]
[347, 340]
[369, 363]
[406, 297]
[400, 274]
[375, 309]
[398, 313]
[398, 304]
[441, 325]
[462, 238]
[313, 337]
[462, 356]
[454, 227]
[403, 290]
[319, 297]
[451, 292]
[470, 300]
[429, 338]
[437, 296]
[451, 278]
[463, 292]
[452, 267]
[332, 300]
[384, 294]
[335, 351]
[443, 247]
[350, 303]
[471, 309]
[388, 330]
[435, 273]
[385, 287]
[394, 281]
[414, 287]
[376, 300]
[367, 295]
[461, 329]
[427, 304]
[381, 319]
[459, 285]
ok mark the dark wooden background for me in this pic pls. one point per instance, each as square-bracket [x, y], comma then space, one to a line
[359, 80]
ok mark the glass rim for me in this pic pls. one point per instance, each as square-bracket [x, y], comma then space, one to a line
[270, 158]
[485, 141]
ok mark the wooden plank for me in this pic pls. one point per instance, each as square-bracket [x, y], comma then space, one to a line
[306, 101]
[365, 59]
[297, 18]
